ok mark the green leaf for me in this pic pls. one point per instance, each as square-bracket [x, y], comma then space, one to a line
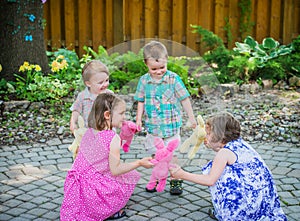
[270, 43]
[242, 48]
[251, 42]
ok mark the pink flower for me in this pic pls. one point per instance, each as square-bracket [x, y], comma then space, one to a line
[43, 1]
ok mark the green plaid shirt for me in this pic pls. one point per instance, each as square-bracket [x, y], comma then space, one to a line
[162, 103]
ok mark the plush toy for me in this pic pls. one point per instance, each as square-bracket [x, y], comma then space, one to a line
[128, 130]
[195, 140]
[161, 161]
[78, 133]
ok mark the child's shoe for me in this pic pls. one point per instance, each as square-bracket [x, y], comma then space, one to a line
[151, 187]
[176, 187]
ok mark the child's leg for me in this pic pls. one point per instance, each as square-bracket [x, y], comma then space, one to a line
[175, 185]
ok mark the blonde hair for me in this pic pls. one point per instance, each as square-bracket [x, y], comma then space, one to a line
[104, 102]
[91, 68]
[155, 50]
[224, 127]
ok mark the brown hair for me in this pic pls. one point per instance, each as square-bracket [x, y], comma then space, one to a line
[104, 102]
[224, 127]
[92, 67]
[154, 50]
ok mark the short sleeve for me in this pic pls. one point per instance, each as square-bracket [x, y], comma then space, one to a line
[77, 105]
[140, 90]
[180, 89]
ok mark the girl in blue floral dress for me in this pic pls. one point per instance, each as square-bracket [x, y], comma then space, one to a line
[241, 185]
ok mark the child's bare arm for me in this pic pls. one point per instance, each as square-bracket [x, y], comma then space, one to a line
[116, 166]
[187, 106]
[73, 120]
[139, 113]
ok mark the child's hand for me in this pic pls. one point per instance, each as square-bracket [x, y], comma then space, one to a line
[73, 127]
[146, 162]
[176, 171]
[139, 123]
[192, 123]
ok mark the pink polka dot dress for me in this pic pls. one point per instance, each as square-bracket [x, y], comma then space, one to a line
[91, 192]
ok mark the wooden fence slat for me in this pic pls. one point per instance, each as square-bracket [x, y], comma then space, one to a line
[55, 24]
[192, 19]
[117, 20]
[70, 24]
[178, 25]
[83, 22]
[288, 21]
[296, 28]
[109, 23]
[205, 19]
[233, 14]
[126, 20]
[151, 18]
[275, 16]
[98, 23]
[164, 21]
[136, 29]
[219, 18]
[262, 22]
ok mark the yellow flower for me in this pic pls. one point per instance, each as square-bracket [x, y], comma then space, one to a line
[64, 64]
[0, 67]
[22, 68]
[38, 68]
[55, 66]
[60, 57]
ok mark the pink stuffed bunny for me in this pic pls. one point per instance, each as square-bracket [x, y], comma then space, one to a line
[161, 161]
[128, 130]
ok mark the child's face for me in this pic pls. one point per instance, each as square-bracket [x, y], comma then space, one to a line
[216, 146]
[157, 68]
[98, 83]
[118, 116]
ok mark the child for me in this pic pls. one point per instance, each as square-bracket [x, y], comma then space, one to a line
[158, 94]
[241, 185]
[95, 76]
[99, 185]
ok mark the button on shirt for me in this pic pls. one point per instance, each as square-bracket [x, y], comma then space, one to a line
[161, 103]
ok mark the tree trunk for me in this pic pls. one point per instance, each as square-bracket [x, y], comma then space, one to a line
[22, 36]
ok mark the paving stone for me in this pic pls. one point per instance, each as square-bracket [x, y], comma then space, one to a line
[38, 190]
[5, 217]
[15, 211]
[281, 170]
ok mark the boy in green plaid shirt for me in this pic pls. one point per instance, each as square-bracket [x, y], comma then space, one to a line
[160, 93]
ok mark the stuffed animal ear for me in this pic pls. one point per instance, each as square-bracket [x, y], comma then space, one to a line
[80, 121]
[159, 143]
[173, 144]
[200, 121]
[133, 127]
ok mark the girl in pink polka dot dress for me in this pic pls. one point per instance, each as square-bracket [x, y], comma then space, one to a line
[99, 185]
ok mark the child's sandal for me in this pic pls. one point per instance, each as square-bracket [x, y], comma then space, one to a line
[176, 187]
[211, 213]
[117, 215]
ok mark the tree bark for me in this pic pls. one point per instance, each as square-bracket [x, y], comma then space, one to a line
[22, 36]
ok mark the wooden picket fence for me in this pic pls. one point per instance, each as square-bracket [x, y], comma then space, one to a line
[128, 24]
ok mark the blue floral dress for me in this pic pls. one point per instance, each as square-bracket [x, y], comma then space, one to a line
[246, 189]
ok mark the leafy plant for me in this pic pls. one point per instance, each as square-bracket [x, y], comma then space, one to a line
[22, 83]
[218, 56]
[6, 89]
[241, 68]
[261, 53]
